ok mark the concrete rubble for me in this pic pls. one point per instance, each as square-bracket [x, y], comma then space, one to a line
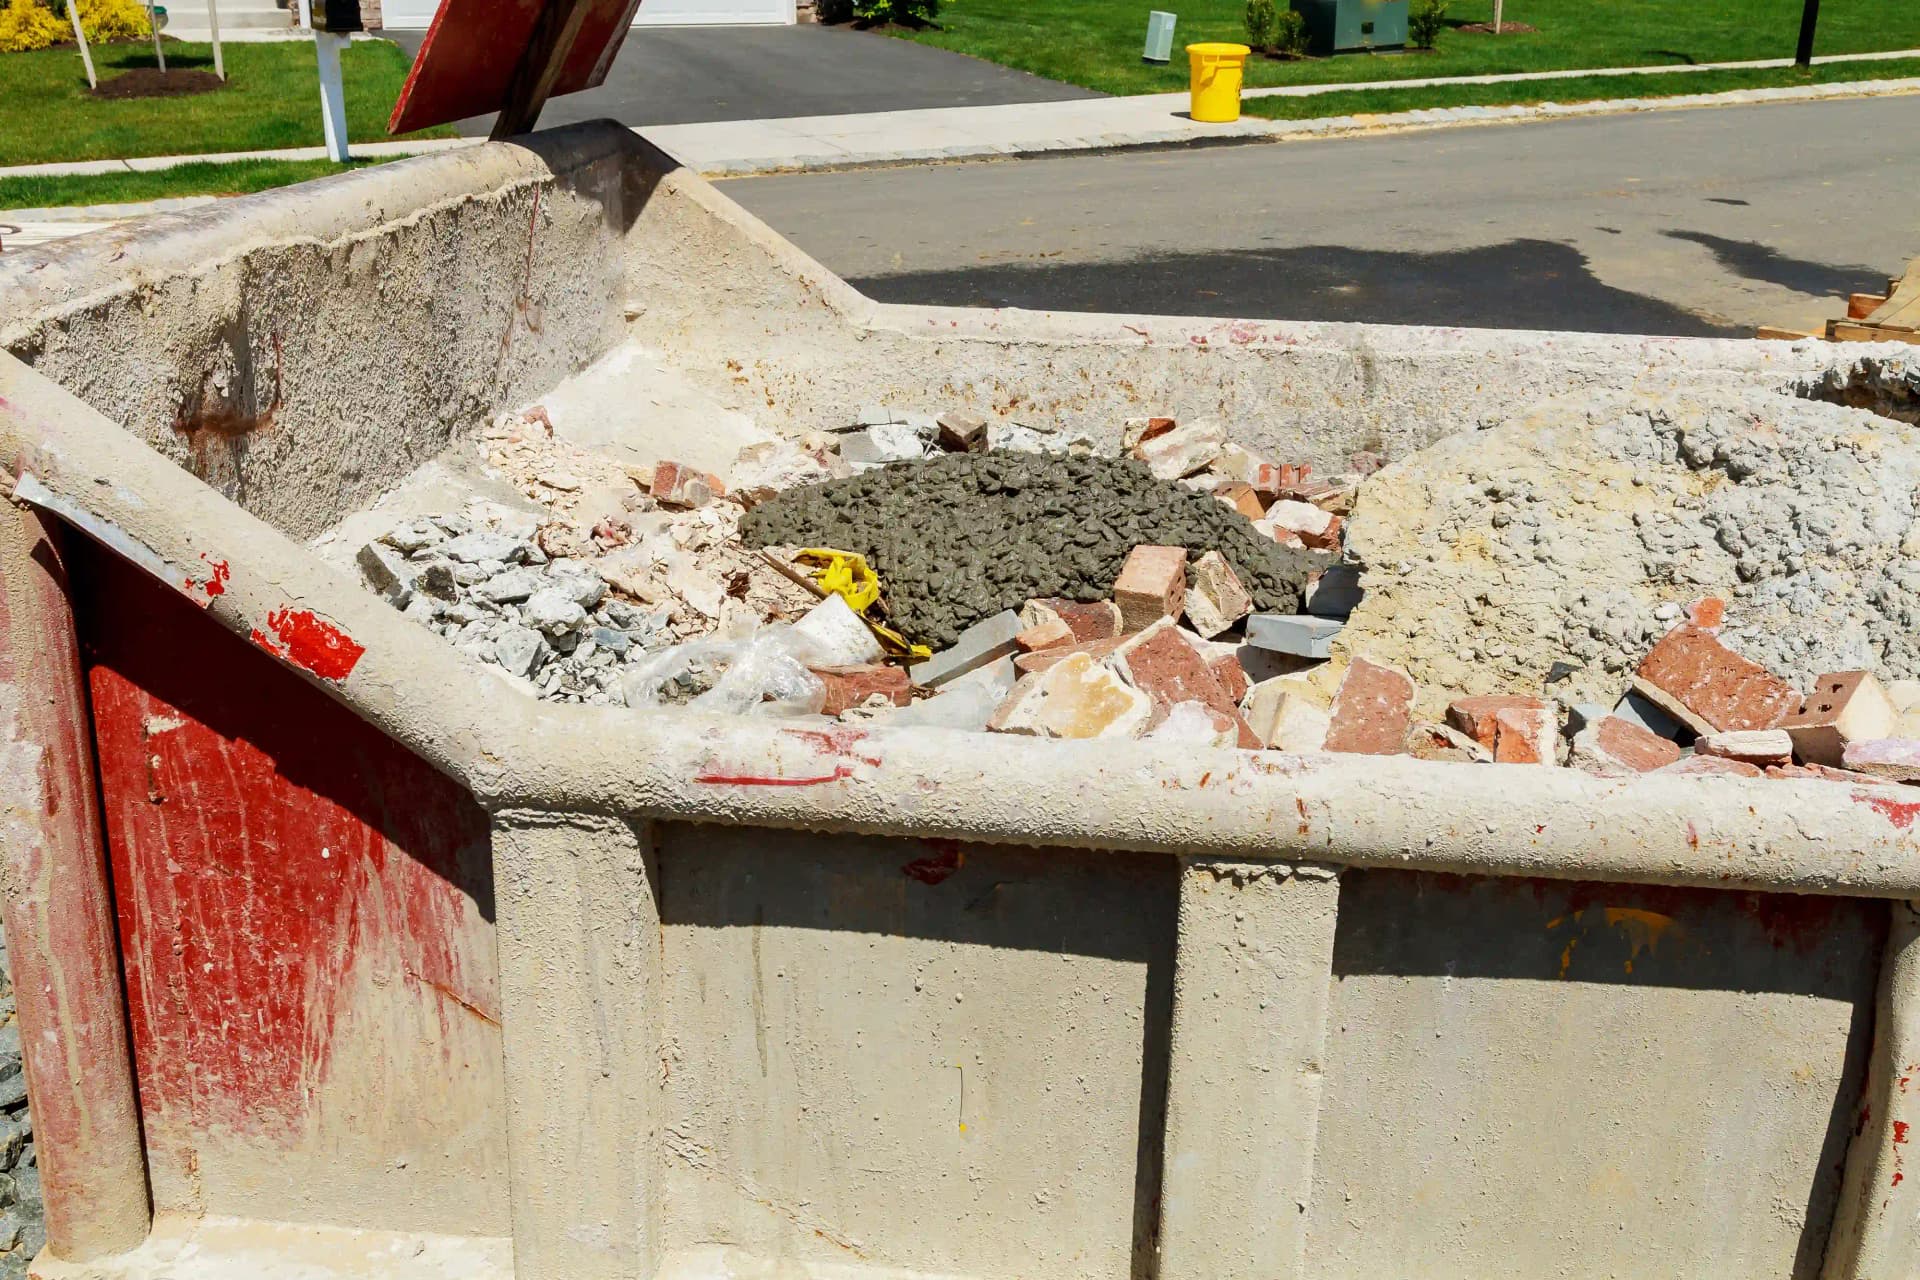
[1705, 589]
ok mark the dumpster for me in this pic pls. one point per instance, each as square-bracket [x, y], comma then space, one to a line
[339, 957]
[1348, 26]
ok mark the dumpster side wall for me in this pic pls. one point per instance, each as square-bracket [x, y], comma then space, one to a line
[304, 350]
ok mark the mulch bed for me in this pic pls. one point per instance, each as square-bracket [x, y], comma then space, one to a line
[151, 82]
[1506, 28]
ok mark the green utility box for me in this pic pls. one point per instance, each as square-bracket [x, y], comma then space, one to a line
[1348, 26]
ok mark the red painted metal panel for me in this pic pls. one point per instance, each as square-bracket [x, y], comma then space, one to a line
[469, 55]
[267, 845]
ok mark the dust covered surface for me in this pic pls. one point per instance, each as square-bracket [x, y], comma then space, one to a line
[959, 538]
[1575, 534]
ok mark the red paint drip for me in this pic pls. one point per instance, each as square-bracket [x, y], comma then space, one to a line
[215, 583]
[1900, 1128]
[948, 859]
[761, 780]
[1900, 813]
[307, 641]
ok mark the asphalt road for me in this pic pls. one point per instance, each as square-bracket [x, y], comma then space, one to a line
[1677, 222]
[686, 75]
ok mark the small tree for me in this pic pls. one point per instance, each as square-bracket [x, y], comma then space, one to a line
[1425, 22]
[1290, 36]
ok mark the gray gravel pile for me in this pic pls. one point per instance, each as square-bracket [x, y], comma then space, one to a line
[23, 1218]
[959, 538]
[486, 585]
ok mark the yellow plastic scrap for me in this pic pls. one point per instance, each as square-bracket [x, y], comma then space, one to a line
[846, 574]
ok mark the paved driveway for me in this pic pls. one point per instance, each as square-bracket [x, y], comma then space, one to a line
[685, 75]
[1667, 222]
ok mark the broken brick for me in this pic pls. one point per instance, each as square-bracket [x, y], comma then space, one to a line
[1710, 766]
[1152, 585]
[1444, 742]
[1051, 634]
[962, 432]
[1526, 735]
[1760, 747]
[1826, 774]
[1314, 527]
[1894, 758]
[1165, 664]
[679, 485]
[1613, 747]
[1283, 718]
[1373, 710]
[1136, 431]
[1475, 717]
[1182, 450]
[1093, 620]
[851, 686]
[1242, 498]
[1707, 613]
[1708, 687]
[1214, 598]
[1843, 707]
[1232, 676]
[1040, 660]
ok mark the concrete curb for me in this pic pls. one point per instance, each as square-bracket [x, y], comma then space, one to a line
[151, 164]
[686, 144]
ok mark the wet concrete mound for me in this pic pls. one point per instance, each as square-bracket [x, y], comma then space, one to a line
[959, 538]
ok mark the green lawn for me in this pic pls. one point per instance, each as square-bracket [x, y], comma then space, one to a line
[237, 178]
[1096, 43]
[272, 99]
[1573, 89]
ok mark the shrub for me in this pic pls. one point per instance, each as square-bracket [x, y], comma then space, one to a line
[1290, 32]
[833, 10]
[114, 20]
[910, 13]
[1425, 21]
[28, 24]
[1263, 23]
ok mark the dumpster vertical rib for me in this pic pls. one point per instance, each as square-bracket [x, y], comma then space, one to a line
[58, 910]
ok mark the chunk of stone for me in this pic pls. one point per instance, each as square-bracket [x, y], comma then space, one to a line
[1214, 598]
[1372, 711]
[387, 572]
[1760, 747]
[554, 612]
[986, 641]
[1637, 710]
[877, 446]
[849, 687]
[838, 636]
[512, 586]
[1100, 650]
[1183, 449]
[1164, 663]
[1708, 687]
[614, 642]
[1195, 725]
[1823, 773]
[1842, 707]
[1301, 635]
[483, 544]
[415, 535]
[1284, 718]
[1016, 437]
[1335, 592]
[519, 651]
[1615, 748]
[962, 432]
[1074, 698]
[437, 580]
[1152, 585]
[1135, 431]
[1239, 464]
[1894, 758]
[1094, 620]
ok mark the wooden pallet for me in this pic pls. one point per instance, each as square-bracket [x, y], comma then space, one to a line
[1890, 317]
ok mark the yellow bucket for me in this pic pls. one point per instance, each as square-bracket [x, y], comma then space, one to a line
[1217, 69]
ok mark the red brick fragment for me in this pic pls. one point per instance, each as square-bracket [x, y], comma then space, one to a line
[1843, 707]
[1614, 747]
[1088, 620]
[1164, 664]
[1098, 650]
[1708, 687]
[1373, 711]
[1048, 635]
[851, 686]
[1152, 585]
[1526, 735]
[1707, 613]
[679, 485]
[1232, 676]
[1475, 716]
[1825, 773]
[1242, 498]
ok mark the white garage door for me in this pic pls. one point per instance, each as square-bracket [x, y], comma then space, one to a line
[407, 15]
